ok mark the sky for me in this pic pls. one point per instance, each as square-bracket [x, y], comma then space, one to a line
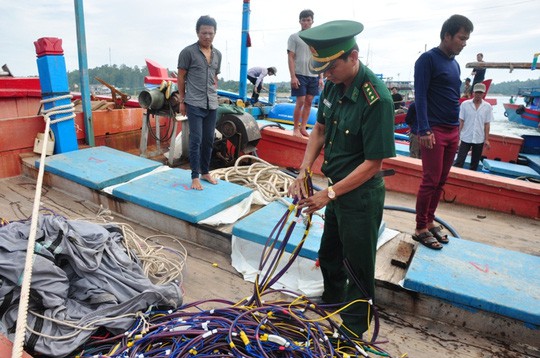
[395, 32]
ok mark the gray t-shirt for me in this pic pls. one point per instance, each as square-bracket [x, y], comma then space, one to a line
[201, 89]
[302, 55]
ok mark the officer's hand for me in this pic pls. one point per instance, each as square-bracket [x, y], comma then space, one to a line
[297, 188]
[313, 203]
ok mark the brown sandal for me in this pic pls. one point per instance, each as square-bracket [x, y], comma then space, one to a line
[428, 240]
[436, 231]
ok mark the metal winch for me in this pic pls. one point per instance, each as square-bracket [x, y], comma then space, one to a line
[240, 135]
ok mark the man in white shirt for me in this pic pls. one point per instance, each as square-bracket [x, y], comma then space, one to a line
[256, 76]
[475, 116]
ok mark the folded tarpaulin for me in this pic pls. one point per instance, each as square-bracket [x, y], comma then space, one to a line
[82, 274]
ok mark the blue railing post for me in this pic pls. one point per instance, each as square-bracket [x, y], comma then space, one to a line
[272, 89]
[54, 83]
[242, 91]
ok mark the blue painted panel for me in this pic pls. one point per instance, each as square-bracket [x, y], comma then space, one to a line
[531, 144]
[53, 81]
[509, 169]
[98, 167]
[402, 149]
[401, 136]
[52, 74]
[533, 160]
[479, 276]
[258, 226]
[170, 192]
[283, 112]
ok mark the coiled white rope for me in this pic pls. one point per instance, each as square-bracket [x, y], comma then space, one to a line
[160, 262]
[267, 179]
[22, 316]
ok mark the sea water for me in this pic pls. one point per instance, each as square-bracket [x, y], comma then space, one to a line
[502, 126]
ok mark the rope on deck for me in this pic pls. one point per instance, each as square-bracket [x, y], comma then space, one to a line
[269, 180]
[22, 316]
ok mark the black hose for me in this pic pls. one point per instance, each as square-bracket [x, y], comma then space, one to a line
[437, 219]
[272, 125]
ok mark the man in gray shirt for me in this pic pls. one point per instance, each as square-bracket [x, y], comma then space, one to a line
[304, 84]
[198, 67]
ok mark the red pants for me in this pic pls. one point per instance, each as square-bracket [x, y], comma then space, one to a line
[436, 164]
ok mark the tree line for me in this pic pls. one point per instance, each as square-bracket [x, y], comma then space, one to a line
[131, 81]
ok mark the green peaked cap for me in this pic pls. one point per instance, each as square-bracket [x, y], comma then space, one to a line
[329, 41]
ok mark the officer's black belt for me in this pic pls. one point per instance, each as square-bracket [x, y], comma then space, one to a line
[385, 173]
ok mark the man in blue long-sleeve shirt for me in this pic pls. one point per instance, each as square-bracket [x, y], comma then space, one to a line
[437, 86]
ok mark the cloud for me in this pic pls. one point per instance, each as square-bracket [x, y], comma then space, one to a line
[396, 32]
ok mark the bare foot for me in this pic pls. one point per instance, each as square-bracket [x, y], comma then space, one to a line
[209, 178]
[297, 133]
[196, 184]
[304, 132]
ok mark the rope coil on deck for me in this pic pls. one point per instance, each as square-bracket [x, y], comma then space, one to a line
[262, 176]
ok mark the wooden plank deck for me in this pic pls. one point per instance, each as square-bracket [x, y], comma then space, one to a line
[208, 273]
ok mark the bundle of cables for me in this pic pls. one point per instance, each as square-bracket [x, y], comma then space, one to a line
[269, 323]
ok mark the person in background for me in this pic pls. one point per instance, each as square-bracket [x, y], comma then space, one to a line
[475, 116]
[467, 88]
[397, 98]
[198, 67]
[355, 126]
[410, 119]
[256, 76]
[479, 73]
[437, 87]
[304, 84]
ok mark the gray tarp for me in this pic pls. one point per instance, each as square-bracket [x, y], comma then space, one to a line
[81, 274]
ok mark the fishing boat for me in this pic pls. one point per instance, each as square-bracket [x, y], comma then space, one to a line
[112, 174]
[527, 114]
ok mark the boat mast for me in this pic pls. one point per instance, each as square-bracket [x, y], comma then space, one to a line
[83, 72]
[242, 91]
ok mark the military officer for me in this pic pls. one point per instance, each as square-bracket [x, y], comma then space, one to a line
[355, 126]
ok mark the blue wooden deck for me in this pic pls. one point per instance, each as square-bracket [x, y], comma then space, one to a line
[258, 226]
[170, 192]
[509, 169]
[533, 160]
[466, 273]
[98, 167]
[479, 276]
[167, 192]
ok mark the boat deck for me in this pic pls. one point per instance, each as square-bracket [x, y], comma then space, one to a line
[210, 274]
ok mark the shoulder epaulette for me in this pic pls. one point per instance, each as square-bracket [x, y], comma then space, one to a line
[369, 91]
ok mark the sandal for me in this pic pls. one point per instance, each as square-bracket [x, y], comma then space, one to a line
[428, 240]
[436, 231]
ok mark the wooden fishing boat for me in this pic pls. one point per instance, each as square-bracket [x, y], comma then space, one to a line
[527, 114]
[434, 295]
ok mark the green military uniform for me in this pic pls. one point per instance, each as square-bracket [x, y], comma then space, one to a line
[359, 125]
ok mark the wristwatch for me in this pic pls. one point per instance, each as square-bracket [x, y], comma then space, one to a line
[331, 193]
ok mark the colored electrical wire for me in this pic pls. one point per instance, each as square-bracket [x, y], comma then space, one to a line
[263, 325]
